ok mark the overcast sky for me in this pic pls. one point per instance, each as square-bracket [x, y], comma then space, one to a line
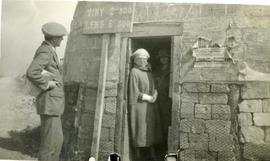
[21, 30]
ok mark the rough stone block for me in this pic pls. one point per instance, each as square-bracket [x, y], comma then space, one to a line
[226, 156]
[213, 98]
[187, 110]
[90, 92]
[219, 127]
[203, 155]
[266, 105]
[196, 87]
[221, 112]
[103, 155]
[213, 10]
[252, 134]
[255, 151]
[245, 119]
[232, 9]
[107, 146]
[192, 125]
[255, 90]
[220, 142]
[184, 140]
[110, 105]
[189, 97]
[220, 88]
[261, 119]
[105, 134]
[84, 144]
[84, 133]
[87, 120]
[203, 111]
[198, 141]
[89, 104]
[187, 155]
[267, 134]
[250, 106]
[108, 120]
[112, 92]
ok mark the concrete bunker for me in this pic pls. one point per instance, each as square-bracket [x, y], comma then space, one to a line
[215, 111]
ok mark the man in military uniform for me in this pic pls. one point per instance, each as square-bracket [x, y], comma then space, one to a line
[50, 102]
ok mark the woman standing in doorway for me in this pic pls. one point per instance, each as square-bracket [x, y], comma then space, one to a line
[142, 111]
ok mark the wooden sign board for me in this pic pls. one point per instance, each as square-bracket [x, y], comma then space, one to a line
[108, 17]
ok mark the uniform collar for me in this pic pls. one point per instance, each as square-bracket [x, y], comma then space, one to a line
[48, 43]
[55, 57]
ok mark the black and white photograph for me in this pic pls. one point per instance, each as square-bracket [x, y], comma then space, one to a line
[134, 80]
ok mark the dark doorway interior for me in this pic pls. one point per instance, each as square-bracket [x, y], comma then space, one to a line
[154, 45]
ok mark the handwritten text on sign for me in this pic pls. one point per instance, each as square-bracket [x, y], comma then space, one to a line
[107, 17]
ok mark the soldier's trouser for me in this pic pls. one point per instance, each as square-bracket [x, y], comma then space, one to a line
[51, 138]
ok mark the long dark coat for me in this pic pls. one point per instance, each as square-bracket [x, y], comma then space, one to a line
[49, 102]
[143, 115]
[164, 103]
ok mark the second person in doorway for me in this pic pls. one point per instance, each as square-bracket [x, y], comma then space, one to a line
[164, 102]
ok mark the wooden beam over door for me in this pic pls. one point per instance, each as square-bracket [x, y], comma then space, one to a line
[150, 29]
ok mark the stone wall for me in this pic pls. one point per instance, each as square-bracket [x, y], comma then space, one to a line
[78, 122]
[206, 128]
[254, 121]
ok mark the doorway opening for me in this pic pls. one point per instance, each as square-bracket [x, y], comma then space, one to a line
[153, 45]
[159, 48]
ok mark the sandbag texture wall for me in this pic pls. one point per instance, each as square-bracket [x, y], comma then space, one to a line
[207, 123]
[254, 121]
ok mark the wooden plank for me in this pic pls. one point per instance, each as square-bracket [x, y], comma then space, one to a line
[176, 59]
[125, 150]
[156, 29]
[100, 97]
[120, 96]
[173, 139]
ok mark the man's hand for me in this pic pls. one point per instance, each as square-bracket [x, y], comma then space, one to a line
[155, 96]
[52, 84]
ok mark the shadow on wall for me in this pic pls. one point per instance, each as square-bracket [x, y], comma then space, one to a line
[25, 141]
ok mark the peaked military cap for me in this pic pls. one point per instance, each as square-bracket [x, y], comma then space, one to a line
[163, 53]
[53, 29]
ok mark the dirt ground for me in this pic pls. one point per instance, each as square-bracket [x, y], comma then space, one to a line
[19, 132]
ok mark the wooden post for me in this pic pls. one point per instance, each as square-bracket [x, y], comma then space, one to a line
[120, 95]
[125, 151]
[100, 97]
[173, 138]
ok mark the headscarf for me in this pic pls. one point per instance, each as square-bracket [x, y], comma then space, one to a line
[140, 53]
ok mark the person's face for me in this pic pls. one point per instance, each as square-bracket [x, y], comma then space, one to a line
[164, 60]
[57, 40]
[141, 61]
